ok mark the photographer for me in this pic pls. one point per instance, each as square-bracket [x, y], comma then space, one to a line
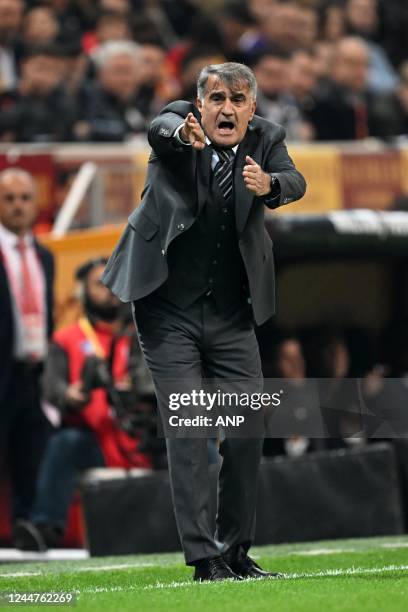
[87, 379]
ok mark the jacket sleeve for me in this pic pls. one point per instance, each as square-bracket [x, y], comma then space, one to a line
[162, 128]
[279, 164]
[55, 377]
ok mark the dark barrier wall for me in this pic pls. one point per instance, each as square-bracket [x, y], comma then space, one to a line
[333, 494]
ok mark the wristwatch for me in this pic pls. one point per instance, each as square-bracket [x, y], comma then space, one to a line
[275, 188]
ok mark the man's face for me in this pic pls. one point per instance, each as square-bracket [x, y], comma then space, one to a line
[41, 74]
[351, 66]
[121, 75]
[291, 363]
[11, 14]
[40, 26]
[271, 75]
[17, 203]
[98, 294]
[152, 58]
[225, 112]
[302, 74]
[363, 15]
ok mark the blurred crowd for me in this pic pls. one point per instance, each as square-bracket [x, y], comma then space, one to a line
[99, 70]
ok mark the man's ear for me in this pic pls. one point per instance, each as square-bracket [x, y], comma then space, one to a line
[199, 104]
[253, 109]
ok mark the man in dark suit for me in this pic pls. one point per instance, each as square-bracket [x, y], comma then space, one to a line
[26, 305]
[197, 263]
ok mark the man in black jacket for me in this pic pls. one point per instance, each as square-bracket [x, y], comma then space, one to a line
[26, 304]
[197, 263]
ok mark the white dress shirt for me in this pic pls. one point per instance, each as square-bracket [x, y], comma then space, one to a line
[12, 264]
[215, 158]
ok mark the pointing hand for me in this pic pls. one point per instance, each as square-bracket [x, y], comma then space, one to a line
[192, 132]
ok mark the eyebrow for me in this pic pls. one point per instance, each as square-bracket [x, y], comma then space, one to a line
[218, 92]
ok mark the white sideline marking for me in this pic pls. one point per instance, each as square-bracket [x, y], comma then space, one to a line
[353, 571]
[10, 555]
[334, 551]
[106, 568]
[310, 552]
[323, 551]
[397, 545]
[20, 574]
[91, 568]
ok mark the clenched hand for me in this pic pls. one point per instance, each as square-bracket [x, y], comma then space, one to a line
[256, 180]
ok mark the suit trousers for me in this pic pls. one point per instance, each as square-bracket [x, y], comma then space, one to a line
[24, 433]
[189, 344]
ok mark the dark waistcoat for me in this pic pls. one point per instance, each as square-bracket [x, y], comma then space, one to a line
[206, 258]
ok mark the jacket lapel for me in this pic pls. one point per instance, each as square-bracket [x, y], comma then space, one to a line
[251, 145]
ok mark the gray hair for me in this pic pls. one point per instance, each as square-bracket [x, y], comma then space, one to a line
[230, 73]
[114, 48]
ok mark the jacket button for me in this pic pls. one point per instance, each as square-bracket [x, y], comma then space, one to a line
[163, 252]
[181, 226]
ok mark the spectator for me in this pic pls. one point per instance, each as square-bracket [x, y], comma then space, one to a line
[40, 26]
[290, 26]
[191, 66]
[157, 87]
[74, 17]
[114, 111]
[302, 83]
[122, 7]
[76, 65]
[38, 110]
[394, 26]
[87, 365]
[392, 109]
[261, 9]
[205, 33]
[240, 36]
[274, 102]
[324, 53]
[26, 306]
[11, 15]
[110, 26]
[328, 361]
[287, 362]
[343, 109]
[332, 21]
[363, 20]
[309, 27]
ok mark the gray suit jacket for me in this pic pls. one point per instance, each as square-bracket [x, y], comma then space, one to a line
[175, 191]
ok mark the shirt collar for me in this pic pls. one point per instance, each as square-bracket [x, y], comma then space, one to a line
[208, 142]
[10, 239]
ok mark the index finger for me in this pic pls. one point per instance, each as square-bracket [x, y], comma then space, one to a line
[191, 119]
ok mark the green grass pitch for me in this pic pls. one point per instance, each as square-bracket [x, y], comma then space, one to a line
[341, 575]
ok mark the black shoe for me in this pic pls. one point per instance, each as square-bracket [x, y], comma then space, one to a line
[246, 567]
[36, 538]
[214, 569]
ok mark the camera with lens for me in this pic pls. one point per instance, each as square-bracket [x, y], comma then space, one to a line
[133, 411]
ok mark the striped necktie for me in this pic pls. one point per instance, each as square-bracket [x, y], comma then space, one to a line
[223, 172]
